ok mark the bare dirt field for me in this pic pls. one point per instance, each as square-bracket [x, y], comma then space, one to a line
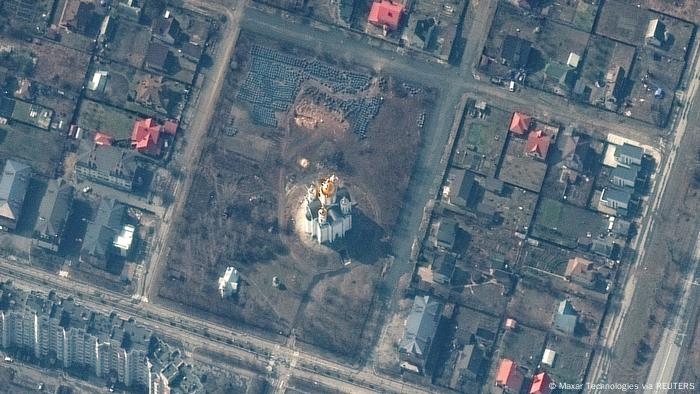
[250, 184]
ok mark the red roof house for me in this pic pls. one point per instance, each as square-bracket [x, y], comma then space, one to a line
[170, 127]
[385, 13]
[520, 124]
[509, 376]
[541, 384]
[145, 136]
[538, 144]
[103, 139]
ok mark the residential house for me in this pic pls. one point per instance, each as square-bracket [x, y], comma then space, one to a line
[108, 165]
[575, 153]
[53, 214]
[146, 135]
[520, 123]
[515, 51]
[614, 81]
[421, 327]
[443, 268]
[192, 51]
[625, 176]
[102, 232]
[13, 189]
[469, 367]
[166, 29]
[460, 186]
[158, 57]
[580, 271]
[566, 318]
[628, 155]
[541, 384]
[538, 145]
[509, 376]
[618, 199]
[656, 33]
[446, 234]
[603, 247]
[386, 14]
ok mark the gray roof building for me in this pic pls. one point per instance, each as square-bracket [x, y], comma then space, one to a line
[108, 165]
[446, 234]
[618, 199]
[460, 188]
[624, 176]
[13, 189]
[100, 233]
[443, 267]
[157, 56]
[421, 326]
[53, 213]
[627, 154]
[566, 317]
[516, 51]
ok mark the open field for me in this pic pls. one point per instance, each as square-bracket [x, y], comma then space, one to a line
[623, 22]
[571, 359]
[129, 43]
[683, 9]
[524, 345]
[659, 72]
[602, 54]
[42, 149]
[519, 169]
[628, 23]
[58, 66]
[553, 221]
[548, 257]
[533, 306]
[480, 144]
[242, 208]
[95, 117]
[579, 14]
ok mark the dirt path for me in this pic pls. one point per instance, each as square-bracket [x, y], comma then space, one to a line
[196, 133]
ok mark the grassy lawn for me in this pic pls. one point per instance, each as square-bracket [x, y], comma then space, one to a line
[42, 149]
[23, 113]
[570, 361]
[585, 16]
[524, 346]
[98, 117]
[554, 221]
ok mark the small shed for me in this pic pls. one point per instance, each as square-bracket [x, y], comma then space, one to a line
[548, 357]
[573, 60]
[511, 324]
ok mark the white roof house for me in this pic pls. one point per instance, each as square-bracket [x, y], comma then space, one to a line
[548, 357]
[573, 60]
[125, 238]
[98, 81]
[228, 284]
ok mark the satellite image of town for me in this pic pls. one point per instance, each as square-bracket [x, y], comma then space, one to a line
[350, 196]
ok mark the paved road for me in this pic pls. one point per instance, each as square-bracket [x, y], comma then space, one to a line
[604, 359]
[664, 366]
[452, 82]
[203, 112]
[205, 334]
